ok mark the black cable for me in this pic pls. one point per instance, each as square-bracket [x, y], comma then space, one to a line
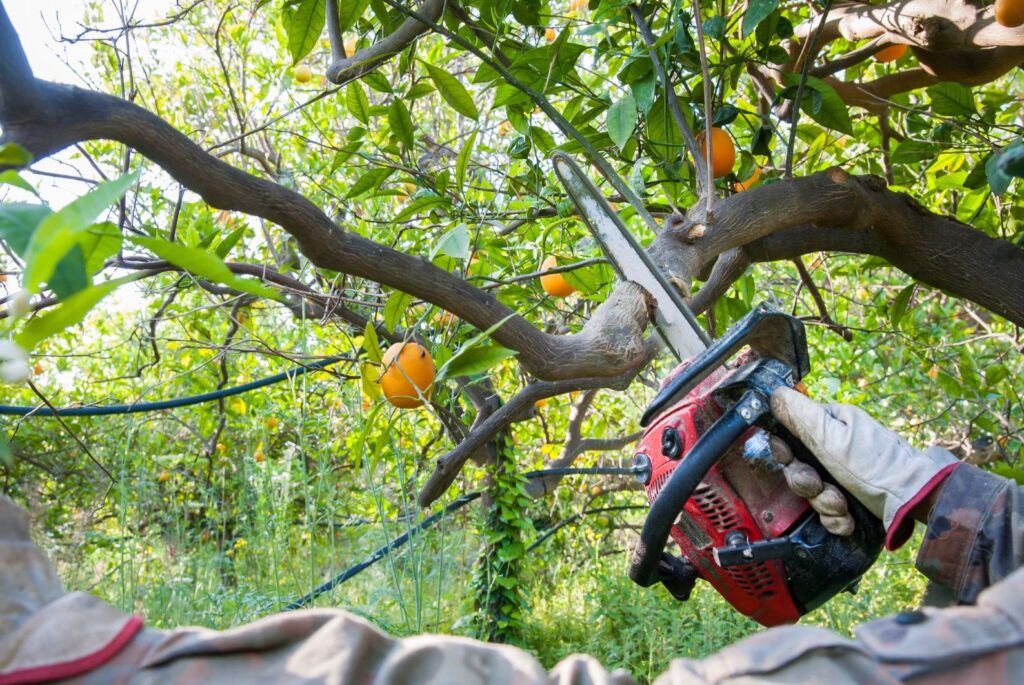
[137, 407]
[456, 504]
[380, 553]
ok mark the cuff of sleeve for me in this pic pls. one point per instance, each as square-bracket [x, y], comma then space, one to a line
[902, 525]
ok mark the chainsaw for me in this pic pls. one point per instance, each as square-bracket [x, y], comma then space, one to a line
[719, 472]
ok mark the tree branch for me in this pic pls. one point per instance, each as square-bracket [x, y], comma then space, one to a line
[365, 60]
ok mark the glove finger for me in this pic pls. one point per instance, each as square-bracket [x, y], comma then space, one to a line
[809, 421]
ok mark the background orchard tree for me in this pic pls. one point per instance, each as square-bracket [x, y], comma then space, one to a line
[302, 178]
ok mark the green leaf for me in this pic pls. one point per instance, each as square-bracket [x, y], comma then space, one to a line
[371, 180]
[454, 243]
[900, 304]
[757, 11]
[725, 115]
[914, 151]
[463, 161]
[823, 104]
[998, 181]
[357, 102]
[69, 277]
[418, 206]
[59, 232]
[349, 12]
[369, 379]
[453, 92]
[952, 99]
[371, 343]
[18, 220]
[1011, 161]
[204, 265]
[395, 307]
[12, 178]
[225, 245]
[621, 120]
[401, 122]
[467, 362]
[714, 27]
[12, 154]
[68, 313]
[303, 21]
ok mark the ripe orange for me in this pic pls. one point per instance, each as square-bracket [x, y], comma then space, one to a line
[37, 368]
[258, 455]
[723, 152]
[163, 476]
[408, 373]
[555, 285]
[550, 34]
[272, 422]
[3, 278]
[740, 186]
[891, 53]
[303, 73]
[350, 46]
[1010, 13]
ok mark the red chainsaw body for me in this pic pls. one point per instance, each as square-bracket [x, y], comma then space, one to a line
[735, 495]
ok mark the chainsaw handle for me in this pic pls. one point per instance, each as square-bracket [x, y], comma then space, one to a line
[767, 330]
[709, 448]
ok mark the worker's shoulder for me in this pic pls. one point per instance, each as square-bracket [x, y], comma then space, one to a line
[982, 643]
[978, 643]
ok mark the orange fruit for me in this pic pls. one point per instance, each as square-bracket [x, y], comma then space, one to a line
[350, 46]
[555, 285]
[408, 373]
[303, 73]
[258, 455]
[443, 318]
[163, 477]
[543, 402]
[37, 368]
[272, 422]
[3, 278]
[740, 186]
[596, 490]
[1010, 13]
[550, 34]
[723, 152]
[891, 53]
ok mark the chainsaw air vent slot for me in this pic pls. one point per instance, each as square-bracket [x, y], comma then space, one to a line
[655, 487]
[716, 508]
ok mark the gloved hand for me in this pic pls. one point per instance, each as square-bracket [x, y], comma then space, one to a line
[875, 465]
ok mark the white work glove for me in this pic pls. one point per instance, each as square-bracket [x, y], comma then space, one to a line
[875, 465]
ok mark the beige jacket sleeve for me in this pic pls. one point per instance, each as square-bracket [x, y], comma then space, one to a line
[49, 633]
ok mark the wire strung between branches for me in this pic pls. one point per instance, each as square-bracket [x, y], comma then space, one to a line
[137, 407]
[453, 506]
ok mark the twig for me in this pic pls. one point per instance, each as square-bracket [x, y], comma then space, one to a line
[703, 179]
[706, 75]
[808, 59]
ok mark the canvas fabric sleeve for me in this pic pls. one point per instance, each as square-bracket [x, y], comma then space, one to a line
[975, 534]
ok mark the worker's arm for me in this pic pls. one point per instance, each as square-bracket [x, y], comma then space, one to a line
[975, 534]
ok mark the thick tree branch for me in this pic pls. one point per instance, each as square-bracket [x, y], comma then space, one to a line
[930, 24]
[20, 97]
[71, 115]
[835, 211]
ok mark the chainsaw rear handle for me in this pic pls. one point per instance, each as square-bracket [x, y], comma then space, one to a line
[708, 449]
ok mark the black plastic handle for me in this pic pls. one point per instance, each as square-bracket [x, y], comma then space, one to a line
[708, 449]
[771, 332]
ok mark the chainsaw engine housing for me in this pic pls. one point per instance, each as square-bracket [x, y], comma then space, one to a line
[743, 530]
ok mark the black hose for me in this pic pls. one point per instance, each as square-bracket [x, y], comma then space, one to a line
[137, 407]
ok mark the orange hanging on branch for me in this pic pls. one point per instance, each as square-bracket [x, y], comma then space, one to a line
[723, 152]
